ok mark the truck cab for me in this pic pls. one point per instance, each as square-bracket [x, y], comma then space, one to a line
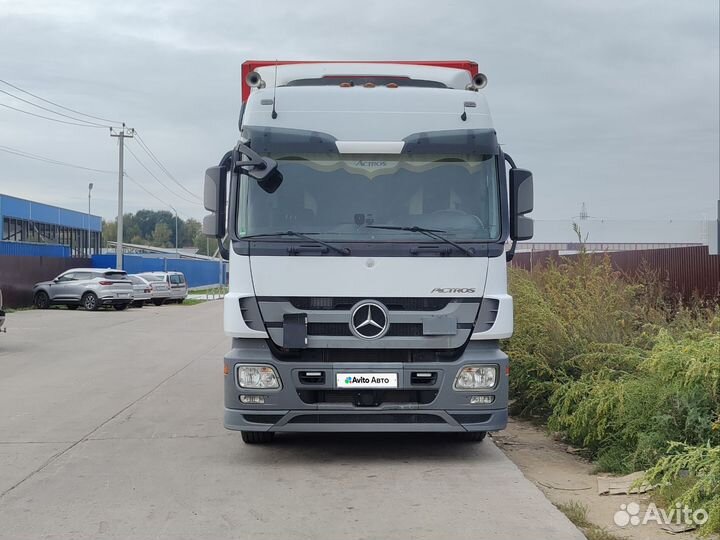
[365, 212]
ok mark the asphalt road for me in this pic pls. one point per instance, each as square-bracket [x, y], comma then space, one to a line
[111, 427]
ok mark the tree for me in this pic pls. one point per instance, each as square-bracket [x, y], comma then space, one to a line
[109, 231]
[142, 228]
[161, 235]
[193, 235]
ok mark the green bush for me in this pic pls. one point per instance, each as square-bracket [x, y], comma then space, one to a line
[626, 418]
[619, 367]
[697, 470]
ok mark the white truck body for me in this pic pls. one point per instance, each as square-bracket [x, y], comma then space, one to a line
[312, 273]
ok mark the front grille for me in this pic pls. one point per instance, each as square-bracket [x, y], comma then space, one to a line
[405, 330]
[345, 303]
[367, 398]
[328, 329]
[360, 418]
[364, 355]
[343, 329]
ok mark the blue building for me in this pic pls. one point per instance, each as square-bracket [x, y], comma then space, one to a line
[25, 225]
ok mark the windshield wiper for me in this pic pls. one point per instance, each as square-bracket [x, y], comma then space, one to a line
[432, 233]
[304, 236]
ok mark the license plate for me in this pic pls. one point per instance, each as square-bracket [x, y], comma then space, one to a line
[366, 380]
[124, 295]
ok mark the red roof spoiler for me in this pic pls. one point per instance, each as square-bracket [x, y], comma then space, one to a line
[252, 65]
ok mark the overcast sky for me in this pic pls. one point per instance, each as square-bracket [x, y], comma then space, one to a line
[615, 103]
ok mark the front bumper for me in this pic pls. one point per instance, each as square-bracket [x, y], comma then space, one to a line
[288, 409]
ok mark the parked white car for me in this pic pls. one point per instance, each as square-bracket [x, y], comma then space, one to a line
[142, 290]
[175, 281]
[159, 287]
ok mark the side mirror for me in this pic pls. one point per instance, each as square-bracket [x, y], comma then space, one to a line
[214, 197]
[263, 169]
[521, 203]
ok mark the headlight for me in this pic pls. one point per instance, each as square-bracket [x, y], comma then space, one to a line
[262, 377]
[474, 377]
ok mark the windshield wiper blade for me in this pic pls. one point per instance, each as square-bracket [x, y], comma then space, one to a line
[432, 233]
[304, 236]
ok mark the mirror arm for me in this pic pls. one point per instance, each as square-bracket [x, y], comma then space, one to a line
[222, 250]
[511, 252]
[509, 160]
[257, 166]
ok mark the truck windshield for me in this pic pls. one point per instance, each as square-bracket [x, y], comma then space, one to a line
[337, 197]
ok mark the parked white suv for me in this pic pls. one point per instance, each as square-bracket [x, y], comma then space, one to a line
[90, 288]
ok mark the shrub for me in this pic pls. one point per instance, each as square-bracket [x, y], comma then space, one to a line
[697, 470]
[621, 368]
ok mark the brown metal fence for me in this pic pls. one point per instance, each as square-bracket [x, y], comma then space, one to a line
[19, 274]
[688, 271]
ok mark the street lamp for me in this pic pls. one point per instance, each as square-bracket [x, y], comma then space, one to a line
[176, 228]
[90, 186]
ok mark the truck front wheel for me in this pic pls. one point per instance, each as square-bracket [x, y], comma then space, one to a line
[257, 437]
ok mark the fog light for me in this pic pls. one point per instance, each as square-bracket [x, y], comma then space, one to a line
[481, 400]
[263, 377]
[474, 377]
[257, 400]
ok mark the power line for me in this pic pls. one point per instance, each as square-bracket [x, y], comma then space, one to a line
[157, 179]
[138, 184]
[157, 198]
[58, 105]
[28, 155]
[157, 161]
[53, 119]
[53, 112]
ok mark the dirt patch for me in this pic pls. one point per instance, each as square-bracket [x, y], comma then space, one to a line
[565, 477]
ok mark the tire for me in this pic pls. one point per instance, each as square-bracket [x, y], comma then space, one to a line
[257, 437]
[120, 307]
[473, 436]
[158, 302]
[138, 304]
[41, 300]
[90, 301]
[72, 307]
[180, 300]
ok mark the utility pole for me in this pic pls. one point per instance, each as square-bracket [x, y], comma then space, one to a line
[89, 250]
[120, 134]
[176, 229]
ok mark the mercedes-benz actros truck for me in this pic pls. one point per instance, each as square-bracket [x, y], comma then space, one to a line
[367, 212]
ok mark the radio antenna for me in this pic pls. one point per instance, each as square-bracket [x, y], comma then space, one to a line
[274, 112]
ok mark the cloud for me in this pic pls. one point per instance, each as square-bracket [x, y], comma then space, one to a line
[615, 104]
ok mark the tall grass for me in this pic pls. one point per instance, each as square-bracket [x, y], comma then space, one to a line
[618, 366]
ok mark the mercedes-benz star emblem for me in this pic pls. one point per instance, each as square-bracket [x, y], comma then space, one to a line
[369, 320]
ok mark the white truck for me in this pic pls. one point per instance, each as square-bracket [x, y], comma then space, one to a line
[365, 212]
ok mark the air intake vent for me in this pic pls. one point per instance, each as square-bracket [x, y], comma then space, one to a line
[487, 315]
[423, 378]
[251, 313]
[360, 418]
[312, 377]
[345, 303]
[342, 329]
